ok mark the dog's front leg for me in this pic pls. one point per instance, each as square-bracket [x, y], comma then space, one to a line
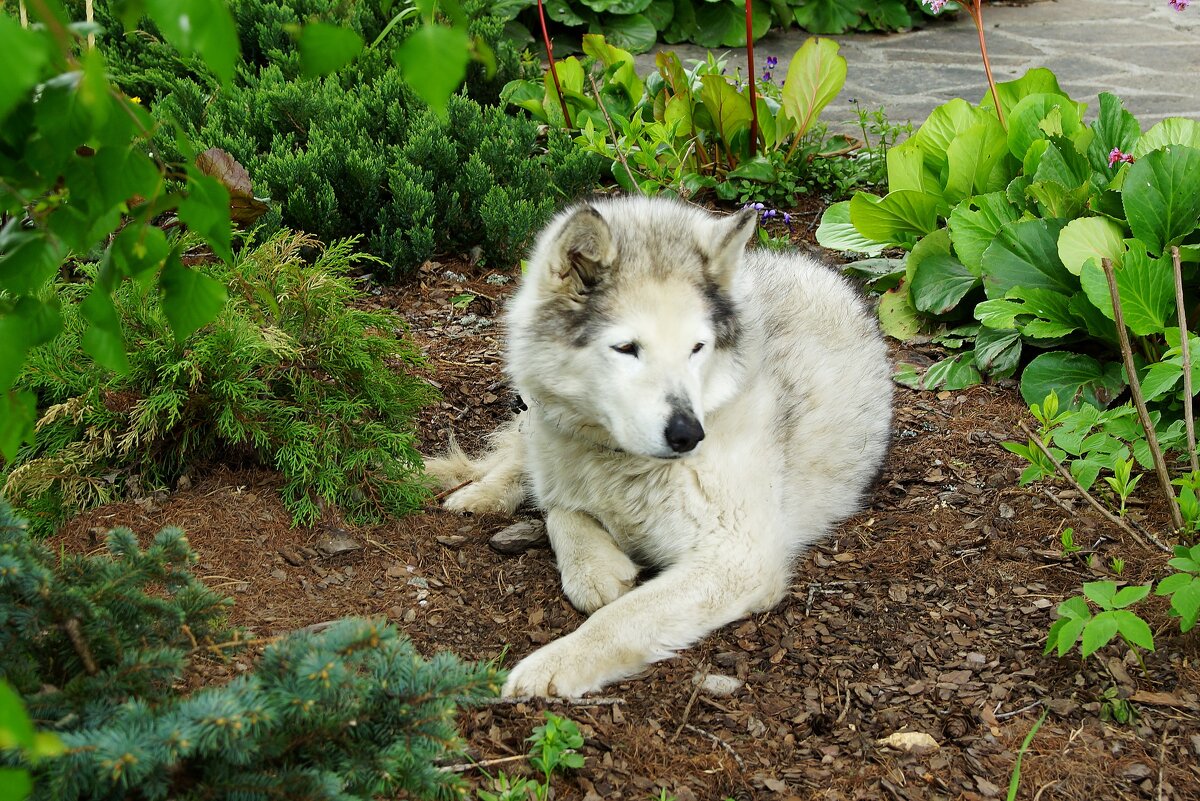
[594, 571]
[647, 624]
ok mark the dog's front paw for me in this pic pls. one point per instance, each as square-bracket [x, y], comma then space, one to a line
[558, 670]
[598, 579]
[484, 497]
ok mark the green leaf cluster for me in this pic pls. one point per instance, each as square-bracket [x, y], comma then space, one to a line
[76, 179]
[1077, 624]
[291, 374]
[358, 153]
[1009, 226]
[97, 647]
[636, 25]
[1183, 587]
[688, 130]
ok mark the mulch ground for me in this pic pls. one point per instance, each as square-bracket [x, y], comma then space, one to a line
[925, 613]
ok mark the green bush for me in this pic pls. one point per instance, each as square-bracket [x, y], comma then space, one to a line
[355, 153]
[290, 375]
[636, 24]
[98, 647]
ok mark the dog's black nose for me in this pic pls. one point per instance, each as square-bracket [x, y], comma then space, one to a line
[683, 432]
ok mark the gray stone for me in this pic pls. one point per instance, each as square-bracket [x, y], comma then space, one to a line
[519, 537]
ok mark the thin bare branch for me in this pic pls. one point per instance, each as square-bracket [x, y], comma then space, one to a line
[1139, 402]
[612, 131]
[75, 635]
[1070, 479]
[1185, 354]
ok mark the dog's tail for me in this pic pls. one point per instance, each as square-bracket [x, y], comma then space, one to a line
[453, 467]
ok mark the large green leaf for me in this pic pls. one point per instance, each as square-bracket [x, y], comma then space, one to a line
[836, 232]
[938, 280]
[1097, 633]
[942, 127]
[1171, 131]
[897, 317]
[1036, 81]
[906, 169]
[1040, 116]
[433, 60]
[826, 16]
[997, 351]
[22, 55]
[617, 6]
[199, 26]
[1161, 196]
[974, 224]
[1114, 128]
[1025, 254]
[952, 373]
[729, 109]
[190, 299]
[1092, 238]
[326, 48]
[1038, 313]
[972, 160]
[898, 218]
[814, 78]
[633, 32]
[1145, 285]
[205, 209]
[1074, 377]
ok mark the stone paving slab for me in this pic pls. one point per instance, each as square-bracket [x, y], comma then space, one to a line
[1142, 50]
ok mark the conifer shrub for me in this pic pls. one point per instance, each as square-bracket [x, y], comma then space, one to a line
[356, 153]
[291, 375]
[98, 647]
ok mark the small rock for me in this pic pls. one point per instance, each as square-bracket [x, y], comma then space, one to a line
[335, 541]
[1137, 771]
[184, 484]
[986, 788]
[451, 540]
[1007, 512]
[278, 574]
[1063, 707]
[291, 557]
[718, 685]
[519, 537]
[1195, 739]
[976, 659]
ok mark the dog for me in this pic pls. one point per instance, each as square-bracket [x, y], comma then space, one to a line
[693, 407]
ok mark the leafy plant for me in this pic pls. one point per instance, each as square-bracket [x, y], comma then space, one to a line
[553, 747]
[100, 644]
[1067, 540]
[290, 374]
[1077, 623]
[687, 130]
[1183, 587]
[636, 24]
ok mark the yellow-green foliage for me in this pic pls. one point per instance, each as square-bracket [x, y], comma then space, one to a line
[291, 375]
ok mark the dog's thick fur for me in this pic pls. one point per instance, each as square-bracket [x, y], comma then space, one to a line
[693, 407]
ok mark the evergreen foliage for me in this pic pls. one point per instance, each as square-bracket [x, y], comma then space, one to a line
[98, 646]
[355, 153]
[291, 375]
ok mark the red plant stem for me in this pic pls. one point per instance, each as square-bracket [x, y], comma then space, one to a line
[977, 17]
[562, 101]
[753, 88]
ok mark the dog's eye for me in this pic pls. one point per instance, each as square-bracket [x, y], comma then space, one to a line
[699, 346]
[627, 348]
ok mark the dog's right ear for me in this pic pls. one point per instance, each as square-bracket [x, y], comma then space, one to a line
[583, 249]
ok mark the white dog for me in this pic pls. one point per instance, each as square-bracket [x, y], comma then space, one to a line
[693, 407]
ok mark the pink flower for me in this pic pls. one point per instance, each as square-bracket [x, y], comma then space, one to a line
[1115, 157]
[1178, 5]
[936, 5]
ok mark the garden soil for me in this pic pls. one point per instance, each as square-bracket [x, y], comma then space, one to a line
[926, 613]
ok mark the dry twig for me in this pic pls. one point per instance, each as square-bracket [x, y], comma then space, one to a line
[1139, 402]
[525, 699]
[613, 133]
[1186, 357]
[719, 742]
[1066, 474]
[75, 635]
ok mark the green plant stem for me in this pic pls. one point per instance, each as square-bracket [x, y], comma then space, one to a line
[1099, 507]
[1139, 402]
[613, 132]
[562, 101]
[1186, 357]
[976, 13]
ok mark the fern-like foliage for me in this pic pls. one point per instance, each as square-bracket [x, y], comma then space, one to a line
[98, 645]
[291, 375]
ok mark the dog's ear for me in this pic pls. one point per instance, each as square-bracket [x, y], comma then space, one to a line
[583, 250]
[729, 241]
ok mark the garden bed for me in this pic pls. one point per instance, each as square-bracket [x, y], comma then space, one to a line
[927, 612]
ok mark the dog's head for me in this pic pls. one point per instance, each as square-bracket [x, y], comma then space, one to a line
[627, 321]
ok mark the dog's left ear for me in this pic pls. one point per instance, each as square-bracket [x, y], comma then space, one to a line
[729, 241]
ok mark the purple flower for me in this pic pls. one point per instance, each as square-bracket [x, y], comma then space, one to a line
[766, 76]
[1115, 157]
[773, 62]
[1178, 5]
[935, 5]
